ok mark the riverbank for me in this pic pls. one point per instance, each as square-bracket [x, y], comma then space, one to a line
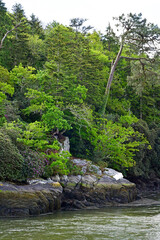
[94, 189]
[69, 193]
[46, 196]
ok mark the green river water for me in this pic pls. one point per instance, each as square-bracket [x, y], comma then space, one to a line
[109, 223]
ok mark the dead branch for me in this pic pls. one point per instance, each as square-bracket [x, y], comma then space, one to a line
[138, 59]
[6, 34]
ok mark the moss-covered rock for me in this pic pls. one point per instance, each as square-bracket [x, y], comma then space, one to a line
[29, 200]
[44, 196]
[99, 192]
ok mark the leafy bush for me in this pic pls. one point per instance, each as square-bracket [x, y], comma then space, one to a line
[117, 144]
[17, 161]
[147, 160]
[62, 164]
[34, 163]
[59, 164]
[11, 161]
[41, 159]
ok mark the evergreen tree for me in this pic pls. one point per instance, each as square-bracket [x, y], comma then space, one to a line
[20, 50]
[36, 26]
[3, 16]
[5, 27]
[145, 80]
[140, 38]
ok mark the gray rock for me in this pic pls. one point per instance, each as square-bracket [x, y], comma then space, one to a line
[89, 181]
[80, 162]
[73, 182]
[49, 180]
[75, 179]
[83, 164]
[113, 173]
[95, 169]
[64, 180]
[65, 145]
[34, 199]
[37, 181]
[84, 169]
[105, 179]
[55, 178]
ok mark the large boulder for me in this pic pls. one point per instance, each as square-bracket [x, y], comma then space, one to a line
[90, 190]
[34, 199]
[95, 188]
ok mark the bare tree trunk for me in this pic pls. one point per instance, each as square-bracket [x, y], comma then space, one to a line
[113, 67]
[4, 37]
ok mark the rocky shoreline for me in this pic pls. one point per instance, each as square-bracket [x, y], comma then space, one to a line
[71, 192]
[93, 189]
[47, 196]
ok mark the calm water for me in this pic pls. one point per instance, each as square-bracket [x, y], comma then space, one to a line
[110, 223]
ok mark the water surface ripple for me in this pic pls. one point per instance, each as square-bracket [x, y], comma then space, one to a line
[129, 223]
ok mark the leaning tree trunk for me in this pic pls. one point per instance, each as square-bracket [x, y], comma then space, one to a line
[4, 37]
[113, 67]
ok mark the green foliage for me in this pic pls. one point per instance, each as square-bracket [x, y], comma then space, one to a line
[5, 89]
[37, 48]
[23, 76]
[19, 50]
[34, 163]
[56, 84]
[36, 26]
[139, 34]
[82, 132]
[75, 63]
[3, 12]
[11, 161]
[5, 24]
[117, 144]
[4, 75]
[60, 162]
[52, 116]
[63, 87]
[144, 80]
[147, 159]
[33, 135]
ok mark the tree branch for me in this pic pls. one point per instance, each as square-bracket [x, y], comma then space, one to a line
[6, 34]
[137, 59]
[113, 67]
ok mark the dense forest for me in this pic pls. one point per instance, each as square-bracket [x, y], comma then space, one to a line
[100, 90]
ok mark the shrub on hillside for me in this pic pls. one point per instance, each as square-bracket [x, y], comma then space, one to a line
[147, 160]
[11, 161]
[34, 163]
